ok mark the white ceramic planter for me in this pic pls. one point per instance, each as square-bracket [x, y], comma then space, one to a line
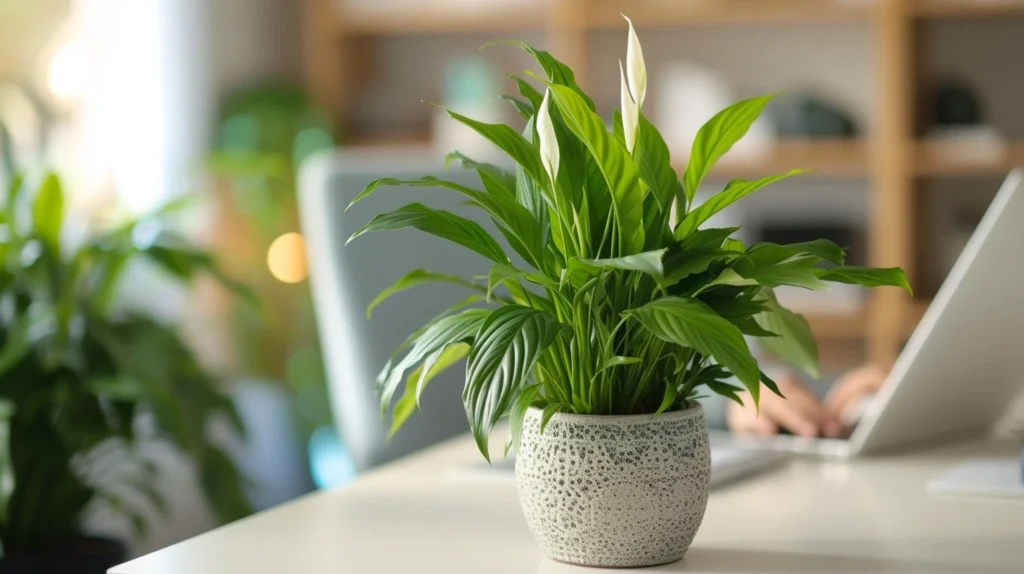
[615, 491]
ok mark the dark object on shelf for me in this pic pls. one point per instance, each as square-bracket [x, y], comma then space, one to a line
[954, 103]
[805, 116]
[80, 555]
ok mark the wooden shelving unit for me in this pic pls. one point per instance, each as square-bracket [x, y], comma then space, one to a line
[824, 158]
[606, 14]
[967, 8]
[938, 159]
[340, 39]
[422, 18]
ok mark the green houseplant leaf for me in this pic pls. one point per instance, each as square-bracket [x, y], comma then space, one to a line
[614, 308]
[620, 174]
[717, 137]
[441, 223]
[690, 323]
[418, 277]
[510, 341]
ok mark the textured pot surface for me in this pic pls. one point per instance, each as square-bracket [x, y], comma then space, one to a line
[615, 491]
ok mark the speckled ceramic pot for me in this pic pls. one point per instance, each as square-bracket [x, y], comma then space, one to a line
[615, 491]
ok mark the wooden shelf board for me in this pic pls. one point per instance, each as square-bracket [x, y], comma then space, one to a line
[837, 325]
[431, 18]
[967, 8]
[942, 159]
[710, 12]
[826, 158]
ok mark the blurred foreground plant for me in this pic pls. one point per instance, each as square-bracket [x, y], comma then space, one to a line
[76, 373]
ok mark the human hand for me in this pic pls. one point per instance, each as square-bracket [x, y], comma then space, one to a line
[800, 413]
[848, 392]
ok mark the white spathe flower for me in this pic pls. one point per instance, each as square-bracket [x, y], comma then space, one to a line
[630, 113]
[546, 138]
[636, 70]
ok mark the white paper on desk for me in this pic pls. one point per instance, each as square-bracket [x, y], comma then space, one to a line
[981, 477]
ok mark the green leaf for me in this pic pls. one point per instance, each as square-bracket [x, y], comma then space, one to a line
[649, 262]
[717, 137]
[441, 223]
[472, 299]
[730, 277]
[866, 276]
[733, 245]
[418, 380]
[695, 253]
[14, 188]
[737, 310]
[795, 274]
[736, 190]
[726, 390]
[495, 180]
[750, 328]
[772, 386]
[509, 342]
[617, 361]
[17, 343]
[503, 274]
[527, 90]
[822, 248]
[507, 140]
[671, 394]
[690, 323]
[529, 194]
[524, 400]
[524, 108]
[795, 343]
[558, 73]
[550, 410]
[459, 328]
[48, 211]
[117, 387]
[655, 164]
[762, 254]
[613, 160]
[418, 277]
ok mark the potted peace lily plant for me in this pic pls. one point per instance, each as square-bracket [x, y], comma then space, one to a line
[621, 313]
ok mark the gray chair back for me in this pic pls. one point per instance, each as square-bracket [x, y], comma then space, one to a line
[345, 279]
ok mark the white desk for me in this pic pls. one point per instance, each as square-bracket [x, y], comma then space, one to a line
[420, 516]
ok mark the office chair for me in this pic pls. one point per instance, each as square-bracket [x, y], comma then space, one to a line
[345, 279]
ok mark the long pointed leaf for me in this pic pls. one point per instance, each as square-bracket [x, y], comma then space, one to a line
[795, 343]
[690, 323]
[504, 351]
[437, 222]
[434, 364]
[615, 164]
[649, 262]
[866, 276]
[523, 401]
[717, 137]
[418, 277]
[459, 328]
[655, 164]
[558, 73]
[48, 211]
[736, 190]
[507, 140]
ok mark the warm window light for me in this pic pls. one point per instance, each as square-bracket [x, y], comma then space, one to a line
[286, 258]
[65, 75]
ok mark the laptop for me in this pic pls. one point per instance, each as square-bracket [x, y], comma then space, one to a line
[965, 361]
